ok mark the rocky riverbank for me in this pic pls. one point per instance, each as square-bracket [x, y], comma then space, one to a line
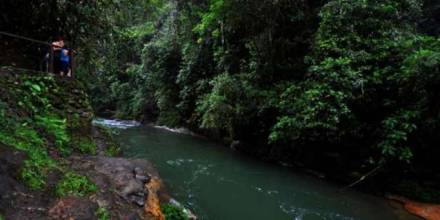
[123, 190]
[55, 165]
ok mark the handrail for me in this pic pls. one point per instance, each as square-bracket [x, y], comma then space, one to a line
[51, 56]
[24, 38]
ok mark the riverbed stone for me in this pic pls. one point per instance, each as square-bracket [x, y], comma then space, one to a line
[72, 208]
[138, 199]
[126, 177]
[143, 178]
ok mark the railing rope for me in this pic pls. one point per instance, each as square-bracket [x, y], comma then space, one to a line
[25, 38]
[50, 67]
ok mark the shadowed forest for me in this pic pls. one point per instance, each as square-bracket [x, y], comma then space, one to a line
[349, 88]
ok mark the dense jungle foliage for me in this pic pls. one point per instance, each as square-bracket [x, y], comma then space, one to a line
[344, 86]
[33, 121]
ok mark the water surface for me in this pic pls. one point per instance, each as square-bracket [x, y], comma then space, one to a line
[220, 184]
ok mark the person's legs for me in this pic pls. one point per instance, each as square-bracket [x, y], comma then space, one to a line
[64, 68]
[56, 62]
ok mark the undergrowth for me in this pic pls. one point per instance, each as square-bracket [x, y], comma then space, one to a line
[57, 128]
[33, 120]
[173, 212]
[74, 185]
[113, 149]
[102, 214]
[38, 163]
[86, 145]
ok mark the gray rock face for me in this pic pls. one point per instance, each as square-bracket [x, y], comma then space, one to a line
[141, 175]
[73, 208]
[127, 177]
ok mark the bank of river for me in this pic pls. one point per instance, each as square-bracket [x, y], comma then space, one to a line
[218, 183]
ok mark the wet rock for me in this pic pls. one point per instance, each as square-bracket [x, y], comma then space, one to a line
[143, 178]
[152, 208]
[138, 170]
[10, 163]
[235, 145]
[127, 177]
[72, 208]
[122, 191]
[86, 165]
[131, 216]
[131, 187]
[103, 202]
[141, 175]
[425, 210]
[138, 200]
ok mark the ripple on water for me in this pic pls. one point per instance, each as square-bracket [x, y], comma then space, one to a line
[121, 124]
[219, 184]
[179, 162]
[268, 192]
[177, 130]
[299, 213]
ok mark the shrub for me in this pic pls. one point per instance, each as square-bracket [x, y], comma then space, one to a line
[57, 128]
[102, 214]
[36, 168]
[86, 146]
[112, 150]
[172, 212]
[38, 163]
[75, 185]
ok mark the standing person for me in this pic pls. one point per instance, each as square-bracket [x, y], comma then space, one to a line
[57, 46]
[65, 62]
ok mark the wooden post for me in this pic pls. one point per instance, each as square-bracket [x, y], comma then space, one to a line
[72, 63]
[51, 59]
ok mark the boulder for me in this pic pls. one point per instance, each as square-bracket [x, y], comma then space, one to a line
[70, 208]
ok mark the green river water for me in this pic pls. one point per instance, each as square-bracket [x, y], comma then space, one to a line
[220, 184]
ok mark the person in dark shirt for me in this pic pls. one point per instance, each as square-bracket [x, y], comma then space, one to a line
[65, 62]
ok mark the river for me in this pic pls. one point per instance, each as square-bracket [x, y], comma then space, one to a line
[220, 184]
